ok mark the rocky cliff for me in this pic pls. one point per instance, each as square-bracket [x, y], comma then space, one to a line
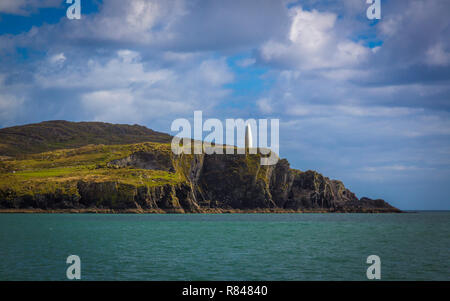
[148, 177]
[206, 183]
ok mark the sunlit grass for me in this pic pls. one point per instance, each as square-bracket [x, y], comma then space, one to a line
[62, 169]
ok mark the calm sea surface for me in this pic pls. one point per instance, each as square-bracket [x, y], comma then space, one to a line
[412, 246]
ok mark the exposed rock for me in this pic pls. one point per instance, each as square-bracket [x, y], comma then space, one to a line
[213, 183]
[144, 160]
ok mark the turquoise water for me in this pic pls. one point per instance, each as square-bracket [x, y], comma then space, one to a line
[412, 246]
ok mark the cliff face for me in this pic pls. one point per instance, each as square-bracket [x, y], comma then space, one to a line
[210, 183]
[240, 182]
[148, 177]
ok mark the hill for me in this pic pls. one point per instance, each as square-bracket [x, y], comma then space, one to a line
[60, 134]
[148, 177]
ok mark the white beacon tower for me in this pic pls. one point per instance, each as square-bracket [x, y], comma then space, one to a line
[248, 137]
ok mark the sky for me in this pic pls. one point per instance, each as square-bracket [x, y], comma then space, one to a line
[363, 101]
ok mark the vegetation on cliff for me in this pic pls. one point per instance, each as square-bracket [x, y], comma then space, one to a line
[148, 177]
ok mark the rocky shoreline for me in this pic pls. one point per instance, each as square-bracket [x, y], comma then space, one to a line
[206, 184]
[149, 178]
[204, 211]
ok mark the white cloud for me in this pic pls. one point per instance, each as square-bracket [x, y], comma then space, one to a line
[215, 72]
[117, 105]
[142, 15]
[128, 56]
[311, 110]
[58, 58]
[391, 25]
[436, 55]
[314, 43]
[344, 74]
[10, 106]
[265, 105]
[179, 56]
[148, 62]
[246, 62]
[128, 106]
[11, 102]
[123, 70]
[311, 30]
[123, 88]
[137, 21]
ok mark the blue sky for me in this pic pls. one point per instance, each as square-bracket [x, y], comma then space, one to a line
[363, 101]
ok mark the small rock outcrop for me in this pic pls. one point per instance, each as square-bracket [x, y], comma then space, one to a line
[144, 160]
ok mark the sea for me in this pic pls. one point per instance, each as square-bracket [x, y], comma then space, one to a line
[305, 246]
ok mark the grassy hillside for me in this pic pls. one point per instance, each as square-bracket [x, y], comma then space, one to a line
[62, 169]
[52, 135]
[90, 165]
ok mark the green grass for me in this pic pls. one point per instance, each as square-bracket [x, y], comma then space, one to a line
[62, 169]
[51, 172]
